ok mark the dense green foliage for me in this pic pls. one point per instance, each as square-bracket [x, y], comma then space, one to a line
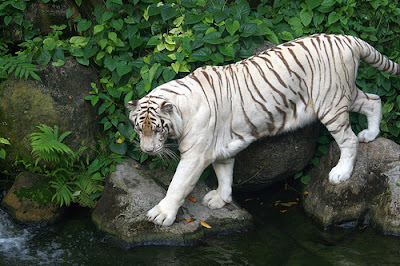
[140, 44]
[73, 178]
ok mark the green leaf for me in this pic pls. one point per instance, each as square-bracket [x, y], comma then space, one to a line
[117, 24]
[143, 157]
[240, 9]
[152, 72]
[113, 37]
[305, 179]
[18, 20]
[83, 25]
[2, 154]
[7, 20]
[168, 12]
[175, 66]
[110, 63]
[135, 42]
[19, 4]
[311, 4]
[82, 61]
[44, 57]
[323, 140]
[153, 41]
[333, 17]
[203, 54]
[232, 26]
[248, 29]
[58, 63]
[118, 148]
[69, 12]
[220, 15]
[168, 74]
[123, 69]
[286, 36]
[105, 16]
[227, 50]
[189, 3]
[4, 141]
[128, 96]
[213, 38]
[318, 18]
[193, 19]
[97, 29]
[119, 2]
[323, 149]
[306, 17]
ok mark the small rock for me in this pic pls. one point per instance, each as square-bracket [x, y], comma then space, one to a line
[130, 192]
[370, 196]
[29, 200]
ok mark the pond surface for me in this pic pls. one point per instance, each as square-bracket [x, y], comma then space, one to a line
[284, 235]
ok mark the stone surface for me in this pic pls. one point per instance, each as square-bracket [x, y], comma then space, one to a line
[57, 100]
[132, 190]
[370, 196]
[274, 158]
[28, 200]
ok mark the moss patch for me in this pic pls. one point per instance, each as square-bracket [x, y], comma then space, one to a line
[23, 103]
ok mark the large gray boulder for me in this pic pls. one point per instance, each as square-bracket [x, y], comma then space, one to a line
[274, 158]
[57, 100]
[132, 190]
[371, 195]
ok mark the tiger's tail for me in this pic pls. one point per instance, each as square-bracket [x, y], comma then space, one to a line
[370, 55]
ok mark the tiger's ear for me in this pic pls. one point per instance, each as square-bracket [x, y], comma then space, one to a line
[167, 107]
[131, 105]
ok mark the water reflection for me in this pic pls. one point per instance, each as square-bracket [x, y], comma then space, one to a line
[280, 238]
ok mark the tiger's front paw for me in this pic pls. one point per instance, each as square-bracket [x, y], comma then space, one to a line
[215, 201]
[163, 214]
[338, 175]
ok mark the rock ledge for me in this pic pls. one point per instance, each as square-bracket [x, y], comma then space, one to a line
[132, 190]
[370, 196]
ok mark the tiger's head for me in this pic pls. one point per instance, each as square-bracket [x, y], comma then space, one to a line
[154, 120]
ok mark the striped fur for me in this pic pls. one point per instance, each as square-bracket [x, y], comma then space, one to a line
[217, 111]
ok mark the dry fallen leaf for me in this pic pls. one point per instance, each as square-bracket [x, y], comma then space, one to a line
[191, 220]
[191, 199]
[206, 225]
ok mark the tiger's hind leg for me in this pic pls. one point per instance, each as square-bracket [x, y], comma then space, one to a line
[369, 105]
[338, 124]
[223, 194]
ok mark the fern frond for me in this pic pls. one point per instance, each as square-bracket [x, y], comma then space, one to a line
[20, 65]
[47, 146]
[63, 194]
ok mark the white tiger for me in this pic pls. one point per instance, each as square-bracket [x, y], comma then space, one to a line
[217, 111]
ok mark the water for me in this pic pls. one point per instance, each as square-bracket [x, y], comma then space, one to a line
[281, 238]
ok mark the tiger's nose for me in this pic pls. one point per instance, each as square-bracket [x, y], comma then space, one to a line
[147, 149]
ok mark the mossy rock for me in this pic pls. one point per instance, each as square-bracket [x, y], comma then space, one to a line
[57, 100]
[29, 200]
